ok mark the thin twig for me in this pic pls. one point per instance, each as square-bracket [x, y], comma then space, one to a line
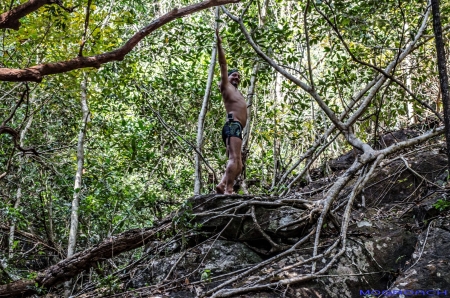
[418, 175]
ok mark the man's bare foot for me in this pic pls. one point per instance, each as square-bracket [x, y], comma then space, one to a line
[230, 192]
[220, 189]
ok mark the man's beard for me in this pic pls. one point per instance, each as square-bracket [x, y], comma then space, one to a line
[235, 84]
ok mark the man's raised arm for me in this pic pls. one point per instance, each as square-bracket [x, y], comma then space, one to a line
[222, 60]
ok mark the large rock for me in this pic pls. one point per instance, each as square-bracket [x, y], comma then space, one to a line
[376, 251]
[428, 269]
[212, 257]
[283, 222]
[394, 183]
[278, 222]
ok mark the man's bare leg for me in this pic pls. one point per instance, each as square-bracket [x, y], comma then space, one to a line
[220, 188]
[234, 167]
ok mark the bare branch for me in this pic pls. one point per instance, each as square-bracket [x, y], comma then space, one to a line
[86, 25]
[386, 74]
[361, 161]
[25, 92]
[261, 265]
[15, 135]
[275, 247]
[290, 77]
[401, 56]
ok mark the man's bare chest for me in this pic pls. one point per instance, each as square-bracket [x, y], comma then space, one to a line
[233, 94]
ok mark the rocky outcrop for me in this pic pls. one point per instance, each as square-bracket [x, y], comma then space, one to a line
[397, 240]
[428, 267]
[203, 262]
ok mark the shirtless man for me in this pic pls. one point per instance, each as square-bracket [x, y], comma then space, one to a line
[236, 108]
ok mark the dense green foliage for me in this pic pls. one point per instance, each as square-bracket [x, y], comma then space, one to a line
[144, 109]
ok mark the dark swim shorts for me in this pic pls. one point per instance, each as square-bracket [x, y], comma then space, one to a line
[231, 129]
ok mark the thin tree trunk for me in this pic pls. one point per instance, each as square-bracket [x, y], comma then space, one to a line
[50, 220]
[19, 190]
[78, 177]
[247, 129]
[262, 12]
[409, 104]
[201, 116]
[251, 89]
[251, 92]
[442, 67]
[276, 140]
[12, 227]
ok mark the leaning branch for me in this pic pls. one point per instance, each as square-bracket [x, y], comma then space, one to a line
[36, 73]
[391, 77]
[15, 136]
[399, 57]
[320, 101]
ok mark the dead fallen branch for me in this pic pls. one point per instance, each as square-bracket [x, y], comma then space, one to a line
[81, 261]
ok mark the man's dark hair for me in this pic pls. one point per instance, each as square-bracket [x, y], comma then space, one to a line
[232, 71]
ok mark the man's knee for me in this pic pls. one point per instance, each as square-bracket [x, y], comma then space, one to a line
[237, 163]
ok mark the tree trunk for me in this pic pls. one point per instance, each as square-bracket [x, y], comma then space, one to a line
[247, 129]
[262, 13]
[442, 67]
[276, 141]
[78, 177]
[201, 116]
[251, 93]
[19, 190]
[409, 103]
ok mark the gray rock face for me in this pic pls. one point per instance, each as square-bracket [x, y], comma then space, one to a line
[370, 262]
[428, 269]
[227, 256]
[395, 183]
[278, 222]
[212, 258]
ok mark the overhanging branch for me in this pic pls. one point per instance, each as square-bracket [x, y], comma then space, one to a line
[36, 73]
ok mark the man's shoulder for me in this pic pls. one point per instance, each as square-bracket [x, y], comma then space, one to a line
[227, 87]
[225, 84]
